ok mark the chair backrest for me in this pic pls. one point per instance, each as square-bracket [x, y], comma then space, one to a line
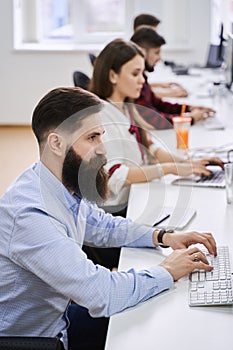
[81, 79]
[30, 343]
[92, 58]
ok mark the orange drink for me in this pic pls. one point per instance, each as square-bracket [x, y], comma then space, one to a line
[182, 138]
[181, 126]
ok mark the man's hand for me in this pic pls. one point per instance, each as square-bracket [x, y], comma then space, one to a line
[201, 113]
[186, 239]
[169, 90]
[183, 261]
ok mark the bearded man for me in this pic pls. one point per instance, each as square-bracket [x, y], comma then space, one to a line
[49, 288]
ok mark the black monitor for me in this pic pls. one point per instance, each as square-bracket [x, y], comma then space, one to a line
[229, 61]
[216, 53]
[213, 60]
[221, 47]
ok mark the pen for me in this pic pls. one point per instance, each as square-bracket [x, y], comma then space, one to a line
[161, 220]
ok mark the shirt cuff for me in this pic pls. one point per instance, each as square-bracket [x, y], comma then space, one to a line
[163, 277]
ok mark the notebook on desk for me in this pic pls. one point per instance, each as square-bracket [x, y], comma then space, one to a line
[167, 217]
[216, 180]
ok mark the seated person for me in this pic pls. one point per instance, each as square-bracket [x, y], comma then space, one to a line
[170, 89]
[47, 214]
[118, 78]
[150, 42]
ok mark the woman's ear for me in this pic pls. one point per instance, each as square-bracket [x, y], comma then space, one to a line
[56, 144]
[112, 76]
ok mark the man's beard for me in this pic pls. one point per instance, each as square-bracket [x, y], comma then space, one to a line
[87, 179]
[148, 67]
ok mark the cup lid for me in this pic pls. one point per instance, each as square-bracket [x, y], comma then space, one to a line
[180, 119]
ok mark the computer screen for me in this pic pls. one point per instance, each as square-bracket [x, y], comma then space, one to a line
[213, 60]
[229, 61]
[221, 44]
[216, 52]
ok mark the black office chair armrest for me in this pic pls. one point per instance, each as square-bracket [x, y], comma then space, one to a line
[30, 343]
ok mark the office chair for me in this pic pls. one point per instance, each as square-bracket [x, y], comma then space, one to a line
[30, 343]
[81, 79]
[92, 58]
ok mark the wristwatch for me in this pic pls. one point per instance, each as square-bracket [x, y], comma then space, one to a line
[162, 231]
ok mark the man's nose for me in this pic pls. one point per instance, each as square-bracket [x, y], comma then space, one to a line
[158, 58]
[100, 149]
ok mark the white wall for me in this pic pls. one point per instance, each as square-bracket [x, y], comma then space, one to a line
[27, 76]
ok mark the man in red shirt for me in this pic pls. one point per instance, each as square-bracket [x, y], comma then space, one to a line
[158, 112]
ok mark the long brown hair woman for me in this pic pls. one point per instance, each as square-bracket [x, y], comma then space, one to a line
[118, 79]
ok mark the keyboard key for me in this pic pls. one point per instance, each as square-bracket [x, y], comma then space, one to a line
[194, 277]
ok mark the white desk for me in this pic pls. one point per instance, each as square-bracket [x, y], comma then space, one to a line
[199, 84]
[166, 321]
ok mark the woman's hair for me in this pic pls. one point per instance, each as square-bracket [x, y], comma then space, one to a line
[112, 57]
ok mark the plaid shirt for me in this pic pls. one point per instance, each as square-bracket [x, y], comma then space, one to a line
[154, 110]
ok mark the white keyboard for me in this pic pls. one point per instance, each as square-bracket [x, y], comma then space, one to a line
[212, 287]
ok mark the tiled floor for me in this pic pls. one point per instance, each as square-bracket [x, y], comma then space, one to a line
[18, 150]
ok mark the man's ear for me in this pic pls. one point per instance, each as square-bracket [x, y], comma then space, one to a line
[56, 143]
[112, 76]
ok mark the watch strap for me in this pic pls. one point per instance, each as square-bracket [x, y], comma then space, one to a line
[161, 233]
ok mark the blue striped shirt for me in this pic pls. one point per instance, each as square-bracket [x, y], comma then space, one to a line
[43, 267]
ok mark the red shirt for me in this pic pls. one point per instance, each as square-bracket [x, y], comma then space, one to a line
[154, 110]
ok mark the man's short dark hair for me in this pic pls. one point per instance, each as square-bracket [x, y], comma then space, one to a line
[145, 19]
[63, 108]
[147, 38]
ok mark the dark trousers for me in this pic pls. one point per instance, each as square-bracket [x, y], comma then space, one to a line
[86, 332]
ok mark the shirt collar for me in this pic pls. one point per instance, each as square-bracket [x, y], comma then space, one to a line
[48, 180]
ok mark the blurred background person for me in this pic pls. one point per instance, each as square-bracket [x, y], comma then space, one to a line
[168, 89]
[151, 42]
[132, 155]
